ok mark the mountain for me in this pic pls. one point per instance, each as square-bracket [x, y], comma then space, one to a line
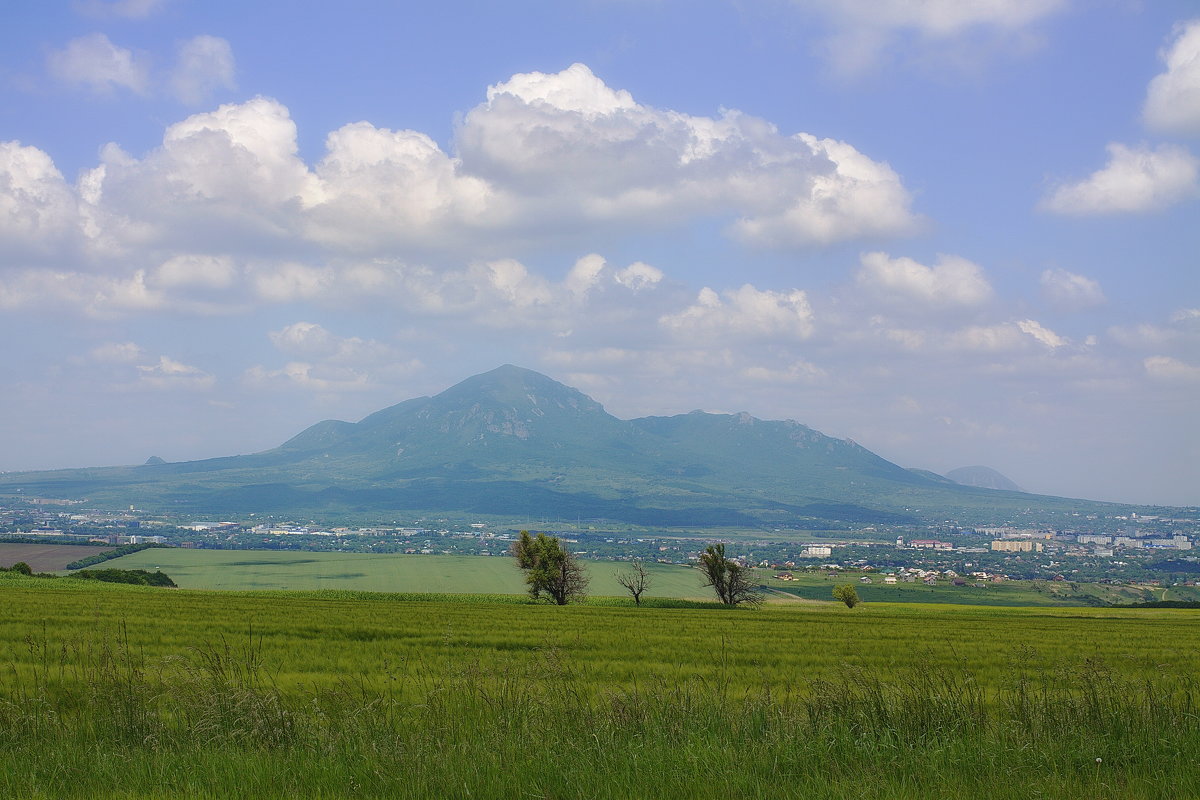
[982, 477]
[933, 476]
[515, 443]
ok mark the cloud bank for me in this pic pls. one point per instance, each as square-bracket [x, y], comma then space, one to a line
[545, 153]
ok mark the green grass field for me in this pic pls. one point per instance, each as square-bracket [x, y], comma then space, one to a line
[818, 586]
[306, 571]
[113, 691]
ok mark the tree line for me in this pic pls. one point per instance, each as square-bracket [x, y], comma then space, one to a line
[554, 572]
[108, 555]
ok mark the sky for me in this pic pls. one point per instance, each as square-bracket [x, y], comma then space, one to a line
[957, 232]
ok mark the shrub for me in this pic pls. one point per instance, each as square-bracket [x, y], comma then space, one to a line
[847, 594]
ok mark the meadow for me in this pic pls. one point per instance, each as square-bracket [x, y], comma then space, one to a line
[374, 572]
[115, 691]
[377, 572]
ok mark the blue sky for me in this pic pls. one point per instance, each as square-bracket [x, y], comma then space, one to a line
[956, 232]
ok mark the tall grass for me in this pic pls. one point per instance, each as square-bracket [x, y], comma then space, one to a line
[97, 717]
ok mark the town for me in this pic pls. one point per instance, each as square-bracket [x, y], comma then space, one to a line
[1153, 550]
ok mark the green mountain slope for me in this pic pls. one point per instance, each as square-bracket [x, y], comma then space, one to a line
[513, 442]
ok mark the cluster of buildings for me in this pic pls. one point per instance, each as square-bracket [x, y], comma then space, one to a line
[926, 544]
[931, 577]
[1174, 542]
[1015, 540]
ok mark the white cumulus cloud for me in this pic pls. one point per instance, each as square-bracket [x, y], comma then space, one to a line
[232, 174]
[1135, 179]
[1005, 336]
[1167, 368]
[169, 374]
[382, 187]
[291, 281]
[204, 65]
[96, 63]
[566, 145]
[951, 281]
[1173, 98]
[744, 312]
[546, 156]
[38, 210]
[312, 341]
[865, 31]
[1041, 333]
[324, 378]
[1069, 290]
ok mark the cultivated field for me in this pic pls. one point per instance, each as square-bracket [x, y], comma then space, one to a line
[117, 691]
[292, 570]
[817, 586]
[45, 557]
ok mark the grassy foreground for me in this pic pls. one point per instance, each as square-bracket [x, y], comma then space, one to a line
[111, 691]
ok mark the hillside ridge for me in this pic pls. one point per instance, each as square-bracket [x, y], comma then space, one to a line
[514, 442]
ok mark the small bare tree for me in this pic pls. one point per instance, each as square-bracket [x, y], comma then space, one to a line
[636, 581]
[729, 579]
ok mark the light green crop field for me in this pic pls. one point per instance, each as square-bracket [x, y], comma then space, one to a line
[317, 636]
[819, 585]
[115, 691]
[372, 572]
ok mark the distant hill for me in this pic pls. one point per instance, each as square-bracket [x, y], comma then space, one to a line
[983, 478]
[515, 443]
[933, 476]
[154, 461]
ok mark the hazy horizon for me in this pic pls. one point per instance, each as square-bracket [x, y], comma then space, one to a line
[960, 234]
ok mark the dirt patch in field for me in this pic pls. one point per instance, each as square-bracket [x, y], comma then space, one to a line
[786, 598]
[45, 557]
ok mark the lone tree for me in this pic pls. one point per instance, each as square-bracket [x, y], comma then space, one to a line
[847, 594]
[550, 568]
[729, 579]
[636, 581]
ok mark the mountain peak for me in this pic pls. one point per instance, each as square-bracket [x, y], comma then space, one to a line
[515, 443]
[518, 388]
[982, 477]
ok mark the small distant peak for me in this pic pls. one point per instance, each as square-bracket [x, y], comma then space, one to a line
[982, 477]
[154, 461]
